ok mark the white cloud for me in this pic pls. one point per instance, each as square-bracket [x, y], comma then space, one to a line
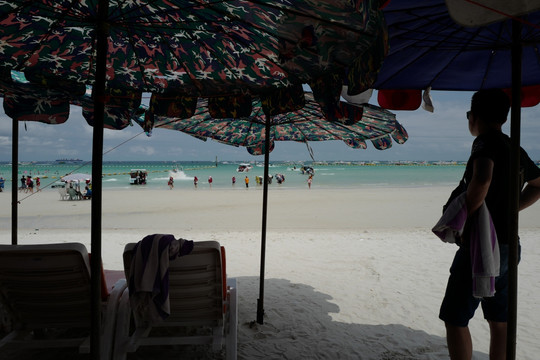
[145, 150]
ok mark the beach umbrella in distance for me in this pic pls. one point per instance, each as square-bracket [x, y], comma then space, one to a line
[465, 45]
[266, 123]
[180, 49]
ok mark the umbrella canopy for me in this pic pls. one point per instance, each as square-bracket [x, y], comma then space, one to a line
[190, 47]
[354, 125]
[77, 177]
[428, 49]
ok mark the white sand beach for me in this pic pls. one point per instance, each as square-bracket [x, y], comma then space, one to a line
[350, 273]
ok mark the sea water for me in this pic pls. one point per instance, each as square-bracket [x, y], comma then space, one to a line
[115, 175]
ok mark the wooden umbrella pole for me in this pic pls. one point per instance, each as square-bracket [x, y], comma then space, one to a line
[515, 189]
[98, 92]
[260, 300]
[14, 180]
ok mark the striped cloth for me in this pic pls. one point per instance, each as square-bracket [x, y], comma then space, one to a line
[149, 275]
[484, 247]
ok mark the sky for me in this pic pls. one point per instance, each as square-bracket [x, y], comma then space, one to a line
[441, 135]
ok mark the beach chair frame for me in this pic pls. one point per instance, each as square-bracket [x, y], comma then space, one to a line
[47, 286]
[201, 297]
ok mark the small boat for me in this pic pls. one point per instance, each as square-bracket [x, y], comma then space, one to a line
[138, 176]
[244, 167]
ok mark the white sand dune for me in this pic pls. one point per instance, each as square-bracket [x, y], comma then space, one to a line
[350, 274]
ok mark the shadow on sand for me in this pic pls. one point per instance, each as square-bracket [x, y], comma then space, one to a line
[298, 325]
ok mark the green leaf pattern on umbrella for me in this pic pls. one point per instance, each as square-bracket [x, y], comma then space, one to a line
[306, 124]
[49, 103]
[197, 40]
[208, 48]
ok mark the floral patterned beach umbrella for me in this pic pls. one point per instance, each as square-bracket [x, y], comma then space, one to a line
[193, 48]
[353, 124]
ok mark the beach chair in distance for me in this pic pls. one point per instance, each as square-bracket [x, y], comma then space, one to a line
[203, 306]
[73, 194]
[45, 290]
[63, 191]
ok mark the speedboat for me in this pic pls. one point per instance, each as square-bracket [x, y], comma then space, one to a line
[244, 167]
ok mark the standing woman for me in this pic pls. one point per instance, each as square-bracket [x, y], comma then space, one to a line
[30, 184]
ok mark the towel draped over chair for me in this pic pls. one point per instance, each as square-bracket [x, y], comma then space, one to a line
[149, 275]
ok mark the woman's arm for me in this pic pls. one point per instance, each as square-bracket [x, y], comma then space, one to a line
[530, 194]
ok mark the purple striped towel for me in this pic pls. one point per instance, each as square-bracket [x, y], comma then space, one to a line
[485, 256]
[149, 275]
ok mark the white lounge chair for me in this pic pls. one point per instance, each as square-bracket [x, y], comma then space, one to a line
[46, 289]
[201, 298]
[63, 191]
[74, 194]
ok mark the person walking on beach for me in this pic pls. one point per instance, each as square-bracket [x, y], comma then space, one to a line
[246, 180]
[309, 181]
[29, 184]
[195, 181]
[38, 183]
[233, 180]
[487, 179]
[210, 180]
[23, 183]
[171, 183]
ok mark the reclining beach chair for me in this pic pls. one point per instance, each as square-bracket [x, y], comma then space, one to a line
[203, 305]
[45, 290]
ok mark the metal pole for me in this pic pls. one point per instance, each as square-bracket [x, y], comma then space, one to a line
[515, 190]
[260, 300]
[14, 180]
[98, 92]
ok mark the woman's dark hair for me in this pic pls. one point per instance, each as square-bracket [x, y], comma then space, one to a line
[491, 105]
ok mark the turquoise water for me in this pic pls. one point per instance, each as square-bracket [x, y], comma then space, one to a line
[333, 175]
